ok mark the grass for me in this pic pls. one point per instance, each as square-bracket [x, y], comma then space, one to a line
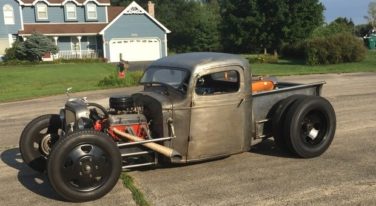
[293, 67]
[26, 82]
[137, 195]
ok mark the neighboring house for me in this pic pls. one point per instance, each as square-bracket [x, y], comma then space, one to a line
[86, 28]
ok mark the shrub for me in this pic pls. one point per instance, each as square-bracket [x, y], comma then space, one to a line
[263, 58]
[334, 49]
[112, 80]
[294, 51]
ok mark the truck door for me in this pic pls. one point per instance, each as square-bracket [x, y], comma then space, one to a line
[217, 113]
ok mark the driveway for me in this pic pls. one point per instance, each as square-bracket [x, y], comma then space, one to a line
[344, 175]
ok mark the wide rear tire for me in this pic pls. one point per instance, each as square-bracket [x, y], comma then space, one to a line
[279, 118]
[37, 139]
[310, 126]
[84, 166]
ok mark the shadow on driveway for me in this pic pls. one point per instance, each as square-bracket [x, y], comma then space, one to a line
[32, 180]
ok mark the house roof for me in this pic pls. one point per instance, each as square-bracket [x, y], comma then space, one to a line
[71, 28]
[134, 8]
[58, 29]
[62, 29]
[61, 2]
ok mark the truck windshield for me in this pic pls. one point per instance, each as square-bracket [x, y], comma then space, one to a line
[176, 78]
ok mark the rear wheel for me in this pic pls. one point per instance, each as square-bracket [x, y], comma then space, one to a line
[37, 140]
[310, 126]
[279, 118]
[84, 166]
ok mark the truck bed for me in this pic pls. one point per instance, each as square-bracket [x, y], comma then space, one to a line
[263, 103]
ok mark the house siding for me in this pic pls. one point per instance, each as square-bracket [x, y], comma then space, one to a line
[134, 26]
[56, 14]
[6, 30]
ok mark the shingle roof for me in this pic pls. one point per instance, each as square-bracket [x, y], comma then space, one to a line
[66, 28]
[61, 29]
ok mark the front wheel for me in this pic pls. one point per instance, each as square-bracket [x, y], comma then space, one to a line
[310, 126]
[84, 166]
[37, 140]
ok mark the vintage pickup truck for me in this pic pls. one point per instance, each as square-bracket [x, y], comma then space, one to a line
[194, 107]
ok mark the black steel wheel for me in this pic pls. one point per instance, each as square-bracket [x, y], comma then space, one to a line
[84, 166]
[279, 118]
[310, 126]
[37, 139]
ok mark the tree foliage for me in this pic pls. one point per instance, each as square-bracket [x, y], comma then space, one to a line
[339, 25]
[255, 24]
[372, 13]
[33, 48]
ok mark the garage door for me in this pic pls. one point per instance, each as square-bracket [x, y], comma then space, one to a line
[135, 49]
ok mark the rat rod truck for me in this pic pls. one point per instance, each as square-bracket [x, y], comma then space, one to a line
[194, 107]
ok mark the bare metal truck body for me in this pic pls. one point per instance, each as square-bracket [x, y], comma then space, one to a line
[194, 107]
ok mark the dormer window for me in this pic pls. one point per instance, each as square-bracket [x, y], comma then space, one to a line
[71, 11]
[42, 13]
[8, 14]
[91, 11]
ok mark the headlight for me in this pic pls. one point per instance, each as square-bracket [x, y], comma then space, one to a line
[62, 115]
[84, 123]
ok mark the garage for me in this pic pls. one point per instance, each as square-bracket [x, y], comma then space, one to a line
[137, 49]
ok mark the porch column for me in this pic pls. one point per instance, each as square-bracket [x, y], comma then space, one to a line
[56, 38]
[56, 56]
[79, 43]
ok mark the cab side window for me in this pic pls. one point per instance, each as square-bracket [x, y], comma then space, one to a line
[218, 83]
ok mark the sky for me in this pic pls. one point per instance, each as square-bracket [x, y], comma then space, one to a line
[354, 9]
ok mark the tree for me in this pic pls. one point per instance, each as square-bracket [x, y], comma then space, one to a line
[35, 47]
[372, 13]
[241, 25]
[256, 24]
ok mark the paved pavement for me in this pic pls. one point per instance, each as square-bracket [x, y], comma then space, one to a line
[344, 175]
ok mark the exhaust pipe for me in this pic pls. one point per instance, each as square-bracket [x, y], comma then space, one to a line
[168, 152]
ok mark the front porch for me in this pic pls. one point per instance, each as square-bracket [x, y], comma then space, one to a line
[76, 47]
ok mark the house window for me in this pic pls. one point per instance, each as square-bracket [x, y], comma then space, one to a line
[91, 11]
[71, 11]
[42, 13]
[8, 14]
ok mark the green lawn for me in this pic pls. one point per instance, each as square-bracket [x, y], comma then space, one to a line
[26, 82]
[288, 67]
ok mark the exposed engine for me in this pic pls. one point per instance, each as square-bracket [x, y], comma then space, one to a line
[126, 117]
[122, 115]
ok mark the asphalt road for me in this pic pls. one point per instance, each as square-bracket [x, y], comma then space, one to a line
[344, 175]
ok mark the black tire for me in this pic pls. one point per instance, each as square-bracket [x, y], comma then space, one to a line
[84, 166]
[310, 126]
[278, 120]
[37, 139]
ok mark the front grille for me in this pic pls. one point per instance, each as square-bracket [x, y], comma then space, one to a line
[70, 117]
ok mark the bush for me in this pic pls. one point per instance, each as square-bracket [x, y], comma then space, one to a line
[263, 58]
[334, 49]
[294, 51]
[131, 79]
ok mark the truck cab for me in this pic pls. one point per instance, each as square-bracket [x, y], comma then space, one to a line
[207, 95]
